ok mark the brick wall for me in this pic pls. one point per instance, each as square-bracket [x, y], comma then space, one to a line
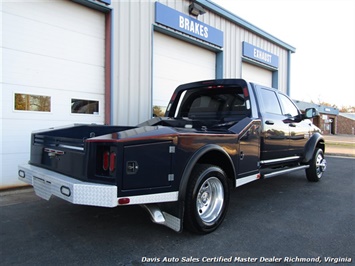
[345, 125]
[325, 125]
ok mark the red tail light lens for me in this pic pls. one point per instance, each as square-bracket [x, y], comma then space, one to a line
[123, 201]
[112, 161]
[106, 157]
[106, 160]
[109, 161]
[245, 92]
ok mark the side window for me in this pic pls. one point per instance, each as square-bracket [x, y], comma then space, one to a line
[30, 102]
[214, 103]
[289, 109]
[271, 104]
[82, 106]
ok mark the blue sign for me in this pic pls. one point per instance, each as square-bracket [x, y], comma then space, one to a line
[260, 55]
[178, 21]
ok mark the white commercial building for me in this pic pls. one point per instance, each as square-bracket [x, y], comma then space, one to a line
[86, 61]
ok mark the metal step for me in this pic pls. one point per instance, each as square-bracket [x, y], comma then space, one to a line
[284, 171]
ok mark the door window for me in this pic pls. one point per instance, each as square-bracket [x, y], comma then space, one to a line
[271, 104]
[289, 109]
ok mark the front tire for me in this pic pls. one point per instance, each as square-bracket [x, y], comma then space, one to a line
[316, 166]
[207, 199]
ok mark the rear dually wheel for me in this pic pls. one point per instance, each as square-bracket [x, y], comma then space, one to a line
[207, 199]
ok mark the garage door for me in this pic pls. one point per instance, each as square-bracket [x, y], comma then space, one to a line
[256, 74]
[53, 73]
[177, 62]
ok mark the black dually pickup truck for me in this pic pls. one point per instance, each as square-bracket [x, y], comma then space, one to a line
[216, 135]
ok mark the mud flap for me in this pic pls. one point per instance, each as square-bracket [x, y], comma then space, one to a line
[167, 214]
[42, 187]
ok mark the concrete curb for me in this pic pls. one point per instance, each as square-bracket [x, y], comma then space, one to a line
[16, 190]
[340, 155]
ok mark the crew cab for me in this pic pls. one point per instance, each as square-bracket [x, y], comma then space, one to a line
[216, 135]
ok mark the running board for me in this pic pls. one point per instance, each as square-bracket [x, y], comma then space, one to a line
[286, 171]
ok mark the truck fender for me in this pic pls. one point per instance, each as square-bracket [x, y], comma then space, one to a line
[315, 141]
[191, 164]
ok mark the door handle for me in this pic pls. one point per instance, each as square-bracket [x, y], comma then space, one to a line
[269, 122]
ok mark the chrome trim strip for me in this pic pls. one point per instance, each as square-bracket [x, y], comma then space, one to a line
[286, 171]
[151, 198]
[292, 158]
[245, 180]
[71, 147]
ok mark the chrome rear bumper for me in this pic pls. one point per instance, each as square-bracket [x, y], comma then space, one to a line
[47, 183]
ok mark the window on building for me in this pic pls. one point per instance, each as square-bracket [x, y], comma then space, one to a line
[30, 102]
[81, 106]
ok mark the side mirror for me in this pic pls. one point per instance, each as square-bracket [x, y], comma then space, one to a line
[310, 113]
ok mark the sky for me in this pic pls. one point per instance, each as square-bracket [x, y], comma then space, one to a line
[323, 33]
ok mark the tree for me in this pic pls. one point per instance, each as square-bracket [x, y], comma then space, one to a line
[328, 104]
[27, 102]
[343, 109]
[20, 102]
[347, 109]
[157, 111]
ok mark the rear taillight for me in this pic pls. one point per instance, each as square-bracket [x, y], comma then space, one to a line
[112, 161]
[105, 160]
[109, 161]
[106, 157]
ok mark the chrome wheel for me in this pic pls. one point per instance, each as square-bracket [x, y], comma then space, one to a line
[317, 166]
[321, 165]
[209, 201]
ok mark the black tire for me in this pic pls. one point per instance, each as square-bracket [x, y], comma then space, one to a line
[316, 166]
[207, 199]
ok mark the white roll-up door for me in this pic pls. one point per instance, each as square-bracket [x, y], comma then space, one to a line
[259, 75]
[52, 74]
[177, 62]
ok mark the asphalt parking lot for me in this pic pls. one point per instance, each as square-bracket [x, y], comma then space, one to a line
[282, 219]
